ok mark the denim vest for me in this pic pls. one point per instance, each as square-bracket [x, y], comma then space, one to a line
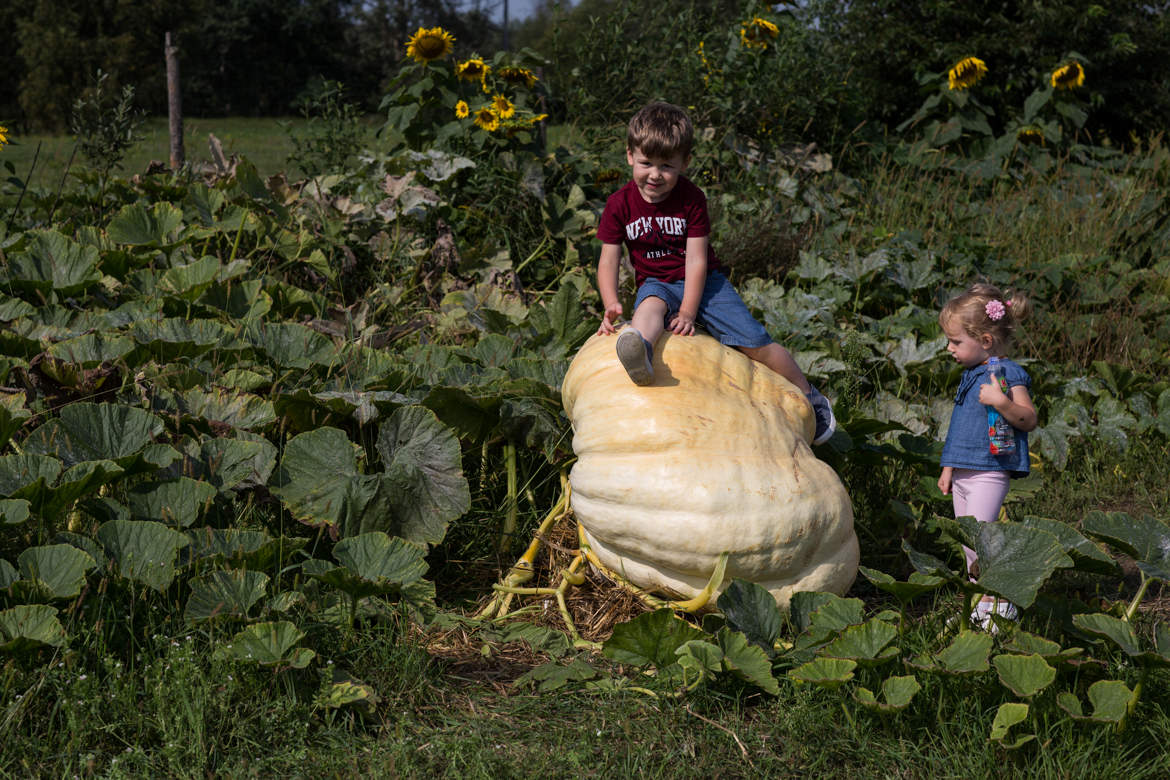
[967, 445]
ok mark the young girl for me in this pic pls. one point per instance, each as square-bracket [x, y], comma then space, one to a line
[979, 325]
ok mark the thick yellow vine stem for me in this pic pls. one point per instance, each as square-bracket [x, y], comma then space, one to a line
[522, 571]
[698, 602]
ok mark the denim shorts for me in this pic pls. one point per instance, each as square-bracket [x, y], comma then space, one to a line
[721, 311]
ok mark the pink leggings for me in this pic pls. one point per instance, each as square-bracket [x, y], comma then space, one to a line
[980, 494]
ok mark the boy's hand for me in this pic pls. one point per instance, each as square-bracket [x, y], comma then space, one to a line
[612, 312]
[683, 324]
[944, 482]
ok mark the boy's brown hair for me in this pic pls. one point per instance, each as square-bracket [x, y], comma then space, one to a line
[661, 130]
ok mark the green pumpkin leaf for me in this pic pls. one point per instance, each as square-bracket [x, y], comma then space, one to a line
[1066, 420]
[141, 551]
[174, 339]
[136, 225]
[746, 661]
[1110, 700]
[552, 676]
[1112, 422]
[1121, 633]
[178, 503]
[803, 604]
[224, 595]
[189, 282]
[965, 656]
[699, 659]
[751, 609]
[267, 644]
[345, 691]
[13, 511]
[1086, 555]
[1024, 675]
[83, 543]
[291, 345]
[372, 564]
[1145, 540]
[222, 463]
[239, 300]
[830, 673]
[1007, 716]
[867, 644]
[13, 415]
[829, 620]
[28, 477]
[218, 404]
[89, 432]
[903, 591]
[650, 639]
[315, 479]
[54, 262]
[8, 573]
[1015, 560]
[26, 628]
[61, 567]
[82, 479]
[1023, 643]
[897, 692]
[91, 350]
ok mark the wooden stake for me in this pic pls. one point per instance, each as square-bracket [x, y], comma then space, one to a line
[174, 104]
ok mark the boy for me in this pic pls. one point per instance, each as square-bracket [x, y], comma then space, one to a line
[662, 218]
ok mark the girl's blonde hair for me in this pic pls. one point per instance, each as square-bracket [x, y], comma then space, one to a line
[970, 311]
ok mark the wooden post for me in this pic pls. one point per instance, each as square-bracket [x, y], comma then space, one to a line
[174, 104]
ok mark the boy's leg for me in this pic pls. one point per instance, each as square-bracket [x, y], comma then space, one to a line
[635, 345]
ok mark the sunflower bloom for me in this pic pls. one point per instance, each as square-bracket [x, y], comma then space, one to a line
[1068, 76]
[427, 45]
[1030, 135]
[607, 175]
[753, 34]
[536, 120]
[967, 73]
[516, 75]
[472, 70]
[3, 136]
[486, 119]
[461, 110]
[502, 107]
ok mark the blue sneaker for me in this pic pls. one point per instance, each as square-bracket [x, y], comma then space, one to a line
[636, 355]
[826, 422]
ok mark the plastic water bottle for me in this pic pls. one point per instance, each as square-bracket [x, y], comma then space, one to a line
[1000, 432]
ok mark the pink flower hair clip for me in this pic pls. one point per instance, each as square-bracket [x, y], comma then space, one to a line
[995, 310]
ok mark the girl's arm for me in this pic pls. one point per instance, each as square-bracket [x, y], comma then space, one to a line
[607, 283]
[696, 279]
[1015, 406]
[946, 480]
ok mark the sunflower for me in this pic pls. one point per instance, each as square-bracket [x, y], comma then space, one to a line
[472, 70]
[536, 120]
[461, 110]
[3, 136]
[753, 33]
[502, 107]
[511, 128]
[516, 75]
[607, 175]
[427, 45]
[1068, 76]
[967, 73]
[1030, 134]
[486, 119]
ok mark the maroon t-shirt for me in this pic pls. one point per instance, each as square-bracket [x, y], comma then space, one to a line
[656, 233]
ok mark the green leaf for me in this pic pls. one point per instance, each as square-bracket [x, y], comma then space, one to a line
[189, 282]
[1144, 540]
[1024, 675]
[1023, 643]
[224, 595]
[137, 226]
[830, 673]
[1066, 420]
[1007, 716]
[1121, 633]
[54, 262]
[897, 692]
[1086, 556]
[803, 604]
[13, 415]
[1015, 560]
[291, 345]
[1110, 700]
[222, 463]
[866, 644]
[746, 661]
[177, 503]
[239, 301]
[28, 475]
[92, 350]
[8, 574]
[13, 511]
[651, 638]
[540, 638]
[423, 466]
[87, 431]
[177, 338]
[61, 567]
[221, 405]
[552, 676]
[965, 656]
[372, 564]
[236, 549]
[267, 644]
[345, 691]
[83, 543]
[903, 591]
[82, 479]
[699, 659]
[142, 551]
[1112, 422]
[751, 609]
[562, 317]
[27, 628]
[316, 477]
[829, 620]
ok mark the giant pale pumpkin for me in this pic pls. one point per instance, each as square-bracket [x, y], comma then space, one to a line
[710, 457]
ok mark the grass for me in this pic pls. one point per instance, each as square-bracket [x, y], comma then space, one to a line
[263, 141]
